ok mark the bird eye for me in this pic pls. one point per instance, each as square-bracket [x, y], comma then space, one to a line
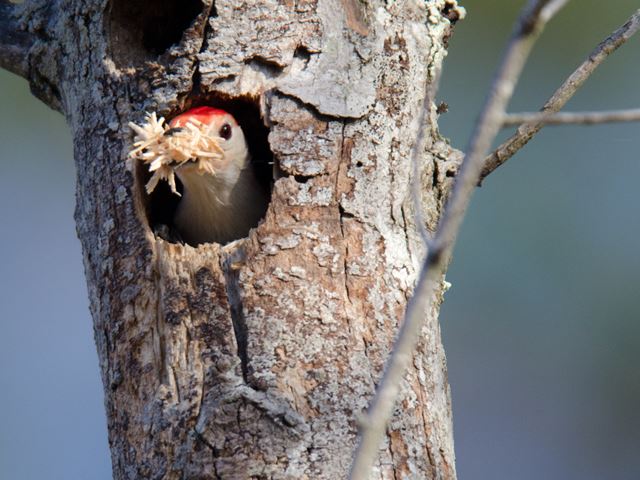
[225, 131]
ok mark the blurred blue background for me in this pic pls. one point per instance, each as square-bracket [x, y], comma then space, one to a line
[540, 327]
[52, 420]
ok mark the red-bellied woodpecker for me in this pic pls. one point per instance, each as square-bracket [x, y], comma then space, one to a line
[206, 148]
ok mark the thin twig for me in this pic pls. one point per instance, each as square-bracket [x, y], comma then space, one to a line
[527, 30]
[14, 43]
[577, 118]
[562, 95]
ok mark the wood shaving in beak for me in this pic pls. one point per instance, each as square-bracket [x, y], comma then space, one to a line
[164, 153]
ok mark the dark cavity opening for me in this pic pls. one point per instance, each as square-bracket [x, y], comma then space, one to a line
[161, 205]
[141, 30]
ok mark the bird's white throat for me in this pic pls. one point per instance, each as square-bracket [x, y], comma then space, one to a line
[218, 208]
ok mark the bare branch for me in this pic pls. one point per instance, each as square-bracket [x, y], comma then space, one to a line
[568, 118]
[562, 95]
[526, 32]
[14, 42]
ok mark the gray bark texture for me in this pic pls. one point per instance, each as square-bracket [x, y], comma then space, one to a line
[255, 360]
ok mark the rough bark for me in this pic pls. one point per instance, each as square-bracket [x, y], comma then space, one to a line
[255, 359]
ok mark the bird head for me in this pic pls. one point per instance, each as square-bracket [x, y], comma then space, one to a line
[222, 126]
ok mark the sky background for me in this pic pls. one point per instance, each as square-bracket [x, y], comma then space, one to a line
[541, 326]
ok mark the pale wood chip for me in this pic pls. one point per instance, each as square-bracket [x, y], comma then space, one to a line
[163, 154]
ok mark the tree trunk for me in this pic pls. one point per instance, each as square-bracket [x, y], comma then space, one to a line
[255, 359]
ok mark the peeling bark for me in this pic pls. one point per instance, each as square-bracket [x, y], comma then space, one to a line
[255, 359]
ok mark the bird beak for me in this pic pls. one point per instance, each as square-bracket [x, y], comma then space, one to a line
[179, 165]
[172, 131]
